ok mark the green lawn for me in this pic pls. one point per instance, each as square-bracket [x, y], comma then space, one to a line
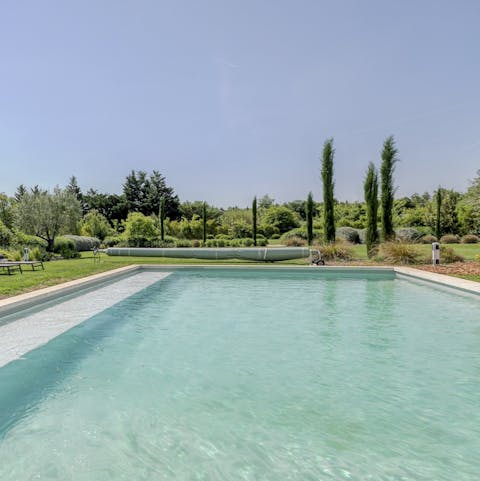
[66, 270]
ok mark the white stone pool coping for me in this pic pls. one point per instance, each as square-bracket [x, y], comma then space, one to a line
[22, 334]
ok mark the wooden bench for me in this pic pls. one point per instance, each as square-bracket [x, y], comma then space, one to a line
[10, 267]
[32, 264]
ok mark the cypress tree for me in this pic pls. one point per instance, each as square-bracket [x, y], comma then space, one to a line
[309, 211]
[254, 216]
[438, 201]
[328, 199]
[204, 217]
[162, 218]
[370, 188]
[389, 159]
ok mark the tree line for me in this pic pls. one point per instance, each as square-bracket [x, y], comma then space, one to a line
[149, 212]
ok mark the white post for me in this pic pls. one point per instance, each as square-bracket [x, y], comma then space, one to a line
[435, 253]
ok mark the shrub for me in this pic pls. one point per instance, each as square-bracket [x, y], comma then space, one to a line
[448, 255]
[65, 247]
[140, 230]
[428, 239]
[96, 225]
[262, 242]
[449, 239]
[339, 251]
[223, 236]
[470, 239]
[348, 234]
[295, 241]
[112, 241]
[399, 253]
[302, 233]
[195, 243]
[6, 235]
[183, 243]
[275, 236]
[84, 243]
[408, 234]
[21, 239]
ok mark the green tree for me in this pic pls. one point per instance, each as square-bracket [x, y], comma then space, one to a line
[46, 215]
[143, 194]
[161, 215]
[204, 222]
[140, 229]
[370, 188]
[7, 212]
[254, 219]
[438, 205]
[95, 224]
[389, 159]
[310, 208]
[281, 218]
[328, 186]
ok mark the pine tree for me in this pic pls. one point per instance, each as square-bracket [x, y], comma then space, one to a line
[254, 218]
[389, 159]
[371, 198]
[328, 184]
[309, 211]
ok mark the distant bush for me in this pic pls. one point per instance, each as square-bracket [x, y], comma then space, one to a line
[302, 233]
[428, 239]
[6, 235]
[183, 243]
[275, 236]
[470, 239]
[295, 241]
[65, 247]
[339, 251]
[408, 234]
[348, 234]
[21, 239]
[449, 239]
[84, 243]
[448, 255]
[195, 243]
[399, 253]
[112, 241]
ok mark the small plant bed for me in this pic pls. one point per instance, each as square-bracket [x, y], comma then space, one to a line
[466, 270]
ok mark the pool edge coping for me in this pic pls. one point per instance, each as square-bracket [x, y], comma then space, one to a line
[29, 299]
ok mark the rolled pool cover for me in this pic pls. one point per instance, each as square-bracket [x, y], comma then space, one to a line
[264, 254]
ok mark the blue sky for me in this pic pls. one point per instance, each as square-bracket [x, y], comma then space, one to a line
[231, 99]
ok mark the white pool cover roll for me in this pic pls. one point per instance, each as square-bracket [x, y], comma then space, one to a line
[248, 253]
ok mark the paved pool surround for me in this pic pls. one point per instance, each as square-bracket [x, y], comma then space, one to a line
[30, 320]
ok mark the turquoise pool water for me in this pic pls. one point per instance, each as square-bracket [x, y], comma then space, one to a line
[253, 375]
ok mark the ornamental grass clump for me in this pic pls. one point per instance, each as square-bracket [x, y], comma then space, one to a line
[295, 241]
[470, 239]
[448, 255]
[449, 239]
[399, 253]
[339, 251]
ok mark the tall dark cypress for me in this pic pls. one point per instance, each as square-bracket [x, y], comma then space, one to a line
[389, 159]
[309, 211]
[254, 218]
[438, 224]
[204, 217]
[162, 218]
[328, 199]
[370, 188]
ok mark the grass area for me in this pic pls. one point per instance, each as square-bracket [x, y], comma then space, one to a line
[66, 270]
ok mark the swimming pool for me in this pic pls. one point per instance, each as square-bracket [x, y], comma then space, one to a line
[253, 374]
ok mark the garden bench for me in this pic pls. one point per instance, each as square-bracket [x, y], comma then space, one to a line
[9, 267]
[32, 264]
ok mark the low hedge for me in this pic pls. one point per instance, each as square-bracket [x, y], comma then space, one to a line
[83, 243]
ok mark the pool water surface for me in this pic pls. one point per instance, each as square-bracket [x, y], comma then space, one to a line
[253, 374]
